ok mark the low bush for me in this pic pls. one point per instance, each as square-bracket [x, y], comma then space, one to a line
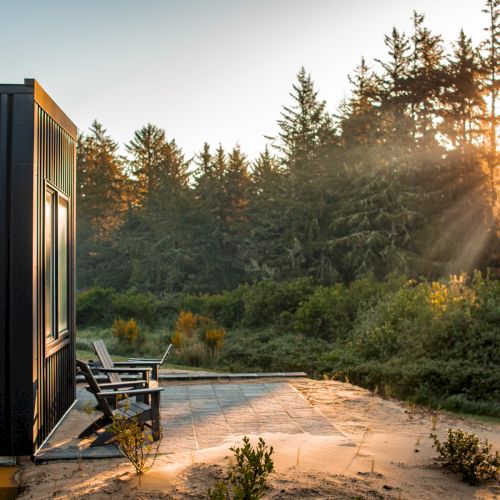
[430, 343]
[269, 302]
[226, 308]
[101, 306]
[197, 339]
[135, 441]
[272, 350]
[132, 304]
[247, 474]
[325, 313]
[94, 307]
[126, 332]
[330, 312]
[465, 454]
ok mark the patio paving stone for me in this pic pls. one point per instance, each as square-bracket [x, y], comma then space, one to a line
[197, 416]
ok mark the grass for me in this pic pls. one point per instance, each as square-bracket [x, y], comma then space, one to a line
[473, 416]
[86, 355]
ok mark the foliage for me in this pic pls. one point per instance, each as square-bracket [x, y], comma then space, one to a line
[134, 441]
[219, 492]
[227, 308]
[197, 338]
[401, 178]
[273, 350]
[270, 301]
[248, 472]
[214, 339]
[94, 306]
[126, 332]
[434, 343]
[465, 454]
[136, 305]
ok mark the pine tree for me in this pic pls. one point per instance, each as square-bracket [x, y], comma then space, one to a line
[425, 82]
[491, 70]
[305, 126]
[156, 237]
[155, 162]
[360, 118]
[463, 105]
[102, 196]
[393, 89]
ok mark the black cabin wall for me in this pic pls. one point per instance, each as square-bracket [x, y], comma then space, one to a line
[37, 377]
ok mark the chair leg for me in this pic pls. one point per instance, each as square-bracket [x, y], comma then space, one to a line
[102, 438]
[95, 426]
[155, 416]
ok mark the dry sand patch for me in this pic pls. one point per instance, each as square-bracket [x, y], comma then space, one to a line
[371, 456]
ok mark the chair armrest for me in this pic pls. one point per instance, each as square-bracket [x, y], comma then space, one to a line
[124, 370]
[132, 392]
[155, 361]
[112, 385]
[145, 362]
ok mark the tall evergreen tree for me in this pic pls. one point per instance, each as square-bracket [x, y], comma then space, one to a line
[305, 126]
[426, 81]
[102, 195]
[393, 88]
[491, 69]
[156, 235]
[360, 119]
[463, 106]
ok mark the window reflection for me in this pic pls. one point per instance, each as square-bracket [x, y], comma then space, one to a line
[62, 266]
[49, 264]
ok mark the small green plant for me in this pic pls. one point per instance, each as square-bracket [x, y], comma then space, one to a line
[247, 474]
[134, 441]
[219, 492]
[462, 452]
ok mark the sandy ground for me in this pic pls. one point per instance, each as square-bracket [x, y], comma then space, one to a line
[385, 452]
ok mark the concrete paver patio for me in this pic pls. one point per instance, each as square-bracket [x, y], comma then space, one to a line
[197, 416]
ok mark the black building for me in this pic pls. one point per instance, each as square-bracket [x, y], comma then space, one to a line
[37, 266]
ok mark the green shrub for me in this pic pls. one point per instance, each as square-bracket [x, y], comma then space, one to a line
[465, 454]
[132, 304]
[274, 351]
[226, 308]
[247, 474]
[94, 306]
[134, 441]
[325, 313]
[428, 343]
[331, 311]
[268, 302]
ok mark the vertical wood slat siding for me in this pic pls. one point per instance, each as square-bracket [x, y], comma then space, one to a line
[56, 157]
[5, 427]
[56, 153]
[37, 149]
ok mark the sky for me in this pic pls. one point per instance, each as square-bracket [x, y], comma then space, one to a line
[216, 71]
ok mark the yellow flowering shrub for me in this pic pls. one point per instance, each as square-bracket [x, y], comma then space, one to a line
[455, 291]
[215, 338]
[126, 331]
[186, 323]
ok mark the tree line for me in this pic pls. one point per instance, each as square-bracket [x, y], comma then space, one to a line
[401, 178]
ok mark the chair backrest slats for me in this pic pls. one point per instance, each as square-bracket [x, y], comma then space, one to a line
[105, 359]
[94, 387]
[166, 354]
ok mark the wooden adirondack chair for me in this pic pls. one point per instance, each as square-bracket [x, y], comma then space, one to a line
[160, 361]
[137, 410]
[114, 368]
